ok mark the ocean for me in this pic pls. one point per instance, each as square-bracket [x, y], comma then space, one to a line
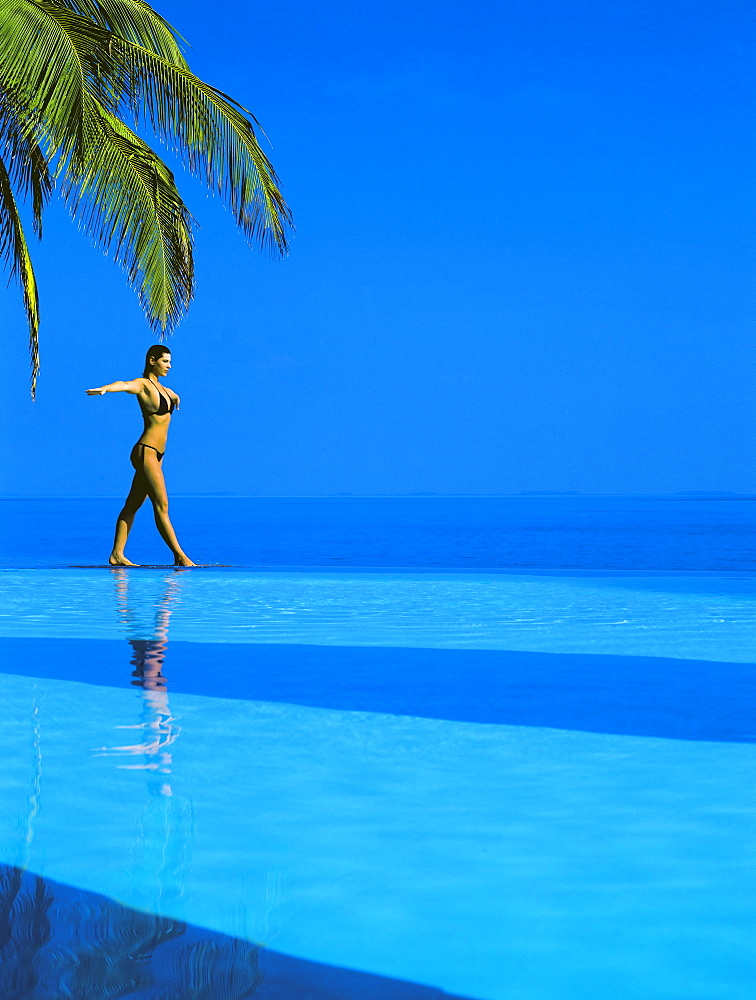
[582, 533]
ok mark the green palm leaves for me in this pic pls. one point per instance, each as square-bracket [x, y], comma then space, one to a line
[72, 74]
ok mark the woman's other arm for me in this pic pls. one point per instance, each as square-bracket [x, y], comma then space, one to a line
[134, 387]
[174, 396]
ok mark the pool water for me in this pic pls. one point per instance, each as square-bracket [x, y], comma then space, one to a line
[358, 783]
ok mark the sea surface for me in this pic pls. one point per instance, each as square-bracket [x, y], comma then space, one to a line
[589, 533]
[493, 748]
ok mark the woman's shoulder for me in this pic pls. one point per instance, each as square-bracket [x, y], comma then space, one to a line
[141, 386]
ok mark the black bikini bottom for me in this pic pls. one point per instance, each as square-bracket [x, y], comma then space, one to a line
[137, 455]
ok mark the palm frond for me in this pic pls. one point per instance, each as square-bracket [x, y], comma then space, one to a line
[67, 54]
[26, 163]
[69, 72]
[119, 190]
[217, 140]
[125, 198]
[135, 21]
[15, 252]
[51, 57]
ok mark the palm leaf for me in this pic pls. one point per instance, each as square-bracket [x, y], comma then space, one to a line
[125, 198]
[15, 252]
[135, 21]
[119, 190]
[69, 70]
[51, 57]
[67, 54]
[217, 140]
[27, 166]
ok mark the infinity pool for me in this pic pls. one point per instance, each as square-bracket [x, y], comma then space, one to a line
[368, 784]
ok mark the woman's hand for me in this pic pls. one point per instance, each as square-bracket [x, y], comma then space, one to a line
[96, 392]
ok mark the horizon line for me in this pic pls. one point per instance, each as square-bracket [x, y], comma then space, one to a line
[420, 495]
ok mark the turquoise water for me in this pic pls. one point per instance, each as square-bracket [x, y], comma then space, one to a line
[379, 783]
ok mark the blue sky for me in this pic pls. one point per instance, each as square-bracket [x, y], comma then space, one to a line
[523, 262]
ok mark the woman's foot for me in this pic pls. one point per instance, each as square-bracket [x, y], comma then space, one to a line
[183, 560]
[120, 560]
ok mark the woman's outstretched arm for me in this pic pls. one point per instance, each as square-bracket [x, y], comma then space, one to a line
[135, 386]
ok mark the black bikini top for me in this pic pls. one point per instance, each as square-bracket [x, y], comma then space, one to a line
[166, 404]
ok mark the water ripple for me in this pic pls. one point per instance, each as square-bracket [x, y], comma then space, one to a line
[696, 616]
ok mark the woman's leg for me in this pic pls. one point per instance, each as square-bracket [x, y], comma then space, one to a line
[158, 494]
[135, 499]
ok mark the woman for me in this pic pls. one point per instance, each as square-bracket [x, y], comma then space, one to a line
[157, 403]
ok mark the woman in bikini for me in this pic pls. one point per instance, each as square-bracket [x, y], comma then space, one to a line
[157, 403]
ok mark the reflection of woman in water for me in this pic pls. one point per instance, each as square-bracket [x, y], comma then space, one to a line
[157, 724]
[157, 403]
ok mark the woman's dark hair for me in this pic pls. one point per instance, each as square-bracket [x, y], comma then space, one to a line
[156, 351]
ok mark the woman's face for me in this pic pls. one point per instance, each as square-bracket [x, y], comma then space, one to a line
[162, 365]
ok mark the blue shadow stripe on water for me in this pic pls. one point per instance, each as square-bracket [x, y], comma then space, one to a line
[628, 695]
[57, 941]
